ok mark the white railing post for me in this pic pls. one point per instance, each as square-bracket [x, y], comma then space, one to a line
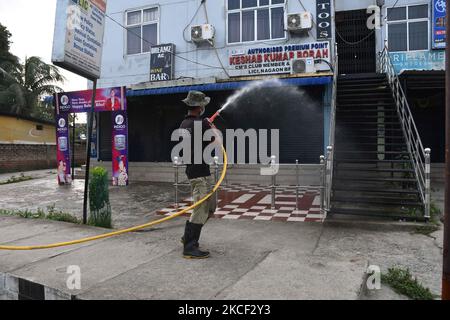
[329, 176]
[274, 182]
[176, 184]
[324, 187]
[427, 183]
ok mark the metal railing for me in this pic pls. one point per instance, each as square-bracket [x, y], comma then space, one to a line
[329, 159]
[271, 185]
[420, 157]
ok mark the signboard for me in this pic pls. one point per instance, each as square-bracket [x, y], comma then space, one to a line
[323, 18]
[419, 60]
[439, 24]
[120, 148]
[273, 60]
[109, 99]
[78, 36]
[62, 149]
[162, 62]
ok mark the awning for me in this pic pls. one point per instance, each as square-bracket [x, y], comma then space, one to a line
[423, 80]
[223, 86]
[227, 86]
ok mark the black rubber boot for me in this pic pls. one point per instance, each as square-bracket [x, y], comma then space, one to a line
[197, 245]
[191, 236]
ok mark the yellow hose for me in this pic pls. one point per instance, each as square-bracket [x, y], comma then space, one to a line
[120, 232]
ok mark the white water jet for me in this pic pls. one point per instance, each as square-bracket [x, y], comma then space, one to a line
[272, 82]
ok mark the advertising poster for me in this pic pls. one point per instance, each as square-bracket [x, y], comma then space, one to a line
[109, 99]
[78, 36]
[162, 62]
[120, 148]
[274, 60]
[63, 149]
[439, 22]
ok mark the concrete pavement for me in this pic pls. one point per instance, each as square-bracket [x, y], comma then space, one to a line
[250, 260]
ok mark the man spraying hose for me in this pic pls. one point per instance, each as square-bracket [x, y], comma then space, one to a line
[199, 176]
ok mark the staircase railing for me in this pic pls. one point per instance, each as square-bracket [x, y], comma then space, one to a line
[330, 149]
[420, 157]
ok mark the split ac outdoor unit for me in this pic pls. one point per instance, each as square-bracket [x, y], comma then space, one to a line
[203, 33]
[299, 22]
[303, 66]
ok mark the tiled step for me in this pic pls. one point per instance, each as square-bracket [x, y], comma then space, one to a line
[375, 213]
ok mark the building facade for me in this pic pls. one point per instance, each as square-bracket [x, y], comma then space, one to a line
[161, 49]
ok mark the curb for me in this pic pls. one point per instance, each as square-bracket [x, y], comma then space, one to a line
[14, 288]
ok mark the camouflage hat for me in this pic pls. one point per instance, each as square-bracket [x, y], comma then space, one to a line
[197, 99]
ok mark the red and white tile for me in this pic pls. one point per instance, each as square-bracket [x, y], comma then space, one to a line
[253, 202]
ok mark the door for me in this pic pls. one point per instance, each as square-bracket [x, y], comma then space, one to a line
[356, 42]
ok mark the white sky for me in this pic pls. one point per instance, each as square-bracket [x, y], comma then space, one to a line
[31, 24]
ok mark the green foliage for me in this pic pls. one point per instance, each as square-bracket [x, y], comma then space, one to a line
[404, 283]
[100, 208]
[14, 179]
[61, 216]
[22, 90]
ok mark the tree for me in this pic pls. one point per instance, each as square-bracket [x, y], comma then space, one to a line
[8, 62]
[23, 93]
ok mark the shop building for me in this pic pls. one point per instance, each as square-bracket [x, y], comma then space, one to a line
[160, 50]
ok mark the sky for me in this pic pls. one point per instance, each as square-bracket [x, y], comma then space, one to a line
[31, 24]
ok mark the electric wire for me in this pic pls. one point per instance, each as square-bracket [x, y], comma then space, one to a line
[214, 45]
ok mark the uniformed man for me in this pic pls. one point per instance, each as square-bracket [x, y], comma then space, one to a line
[199, 176]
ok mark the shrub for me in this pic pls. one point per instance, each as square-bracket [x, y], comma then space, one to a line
[404, 283]
[99, 206]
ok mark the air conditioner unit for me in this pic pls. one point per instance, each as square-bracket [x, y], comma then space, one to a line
[302, 66]
[299, 22]
[203, 33]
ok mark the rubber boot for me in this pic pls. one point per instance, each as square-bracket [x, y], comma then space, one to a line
[197, 245]
[191, 236]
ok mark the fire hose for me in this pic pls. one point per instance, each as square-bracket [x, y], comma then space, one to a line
[133, 229]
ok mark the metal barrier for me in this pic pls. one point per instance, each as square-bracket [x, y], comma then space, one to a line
[420, 157]
[324, 181]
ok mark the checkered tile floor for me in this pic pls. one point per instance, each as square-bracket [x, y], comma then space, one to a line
[253, 202]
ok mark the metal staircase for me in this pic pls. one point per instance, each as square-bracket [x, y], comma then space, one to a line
[380, 167]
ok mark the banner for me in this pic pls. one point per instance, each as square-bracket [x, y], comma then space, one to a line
[109, 99]
[162, 62]
[419, 60]
[256, 61]
[62, 149]
[78, 36]
[439, 24]
[120, 148]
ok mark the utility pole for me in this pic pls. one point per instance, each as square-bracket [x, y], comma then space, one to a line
[446, 257]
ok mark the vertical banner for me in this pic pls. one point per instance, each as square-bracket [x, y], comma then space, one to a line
[63, 149]
[94, 142]
[439, 24]
[323, 10]
[120, 144]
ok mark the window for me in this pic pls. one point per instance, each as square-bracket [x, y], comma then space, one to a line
[255, 20]
[408, 28]
[142, 30]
